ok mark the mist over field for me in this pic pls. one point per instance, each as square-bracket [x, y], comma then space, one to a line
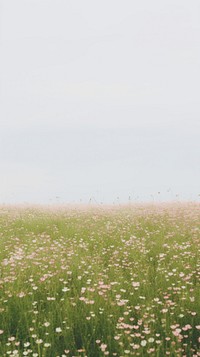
[83, 164]
[99, 101]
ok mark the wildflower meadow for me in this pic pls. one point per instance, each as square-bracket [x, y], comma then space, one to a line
[100, 281]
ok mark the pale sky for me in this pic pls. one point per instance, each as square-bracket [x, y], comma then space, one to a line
[99, 99]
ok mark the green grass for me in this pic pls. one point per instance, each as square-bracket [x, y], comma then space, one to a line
[99, 281]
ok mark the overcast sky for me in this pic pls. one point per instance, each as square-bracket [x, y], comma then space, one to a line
[99, 99]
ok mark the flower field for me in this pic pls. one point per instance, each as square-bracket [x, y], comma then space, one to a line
[100, 281]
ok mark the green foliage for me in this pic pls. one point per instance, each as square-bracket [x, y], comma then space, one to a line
[98, 281]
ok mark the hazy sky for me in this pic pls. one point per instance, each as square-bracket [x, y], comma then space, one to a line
[99, 99]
